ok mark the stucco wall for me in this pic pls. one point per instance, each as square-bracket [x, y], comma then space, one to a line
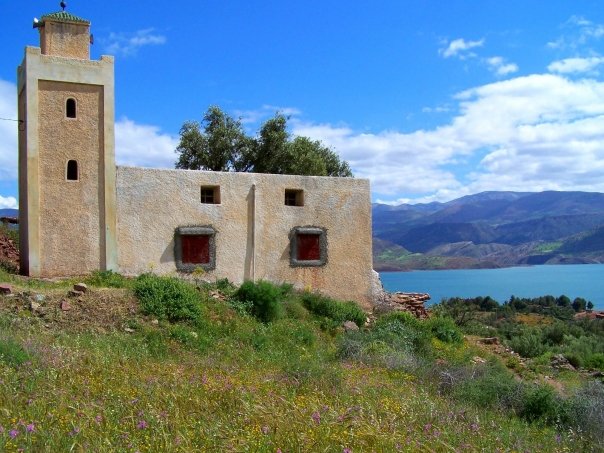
[71, 218]
[253, 226]
[65, 39]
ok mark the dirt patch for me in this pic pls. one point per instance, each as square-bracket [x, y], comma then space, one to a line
[9, 253]
[98, 310]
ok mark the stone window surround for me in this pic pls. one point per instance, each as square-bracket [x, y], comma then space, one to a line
[204, 230]
[319, 231]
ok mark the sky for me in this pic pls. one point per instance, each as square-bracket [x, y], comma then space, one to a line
[430, 100]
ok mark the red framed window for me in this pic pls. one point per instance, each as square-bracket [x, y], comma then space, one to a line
[195, 249]
[308, 247]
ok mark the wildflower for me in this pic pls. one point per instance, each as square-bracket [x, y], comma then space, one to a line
[316, 417]
[558, 438]
[98, 419]
[30, 428]
[13, 433]
[1, 429]
[278, 450]
[347, 450]
[474, 427]
[427, 427]
[142, 424]
[75, 431]
[264, 429]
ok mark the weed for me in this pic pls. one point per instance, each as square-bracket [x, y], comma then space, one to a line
[12, 353]
[265, 298]
[334, 310]
[167, 298]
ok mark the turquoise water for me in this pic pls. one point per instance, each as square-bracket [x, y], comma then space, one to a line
[581, 280]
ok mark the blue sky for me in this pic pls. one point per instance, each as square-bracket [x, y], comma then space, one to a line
[430, 100]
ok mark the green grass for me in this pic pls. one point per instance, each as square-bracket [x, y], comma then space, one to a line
[230, 382]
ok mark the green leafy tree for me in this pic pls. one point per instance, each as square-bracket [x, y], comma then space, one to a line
[219, 143]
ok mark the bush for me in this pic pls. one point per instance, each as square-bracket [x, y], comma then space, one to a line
[335, 310]
[444, 329]
[108, 279]
[540, 403]
[529, 344]
[11, 353]
[264, 297]
[167, 298]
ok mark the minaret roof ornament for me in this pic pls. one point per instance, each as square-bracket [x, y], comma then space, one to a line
[63, 5]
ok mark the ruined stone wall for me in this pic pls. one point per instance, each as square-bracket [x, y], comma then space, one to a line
[253, 226]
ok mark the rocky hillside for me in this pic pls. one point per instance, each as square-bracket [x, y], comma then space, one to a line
[491, 229]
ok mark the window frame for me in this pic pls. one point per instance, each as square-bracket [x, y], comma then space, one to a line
[205, 230]
[296, 194]
[294, 261]
[215, 194]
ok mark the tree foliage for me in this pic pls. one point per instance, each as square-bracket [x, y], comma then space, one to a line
[219, 143]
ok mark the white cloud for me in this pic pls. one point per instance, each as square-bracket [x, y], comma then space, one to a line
[575, 65]
[460, 48]
[264, 112]
[8, 202]
[143, 145]
[127, 44]
[579, 33]
[500, 67]
[535, 132]
[8, 131]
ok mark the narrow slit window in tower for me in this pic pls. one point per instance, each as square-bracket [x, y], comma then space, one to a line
[70, 108]
[72, 170]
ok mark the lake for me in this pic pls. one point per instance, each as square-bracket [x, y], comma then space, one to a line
[580, 280]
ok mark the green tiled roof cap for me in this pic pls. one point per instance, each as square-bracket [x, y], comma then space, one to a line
[63, 16]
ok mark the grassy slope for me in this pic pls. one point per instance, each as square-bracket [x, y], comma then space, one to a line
[228, 383]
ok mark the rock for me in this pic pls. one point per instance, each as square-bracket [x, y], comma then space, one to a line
[478, 360]
[490, 340]
[34, 306]
[65, 305]
[5, 289]
[350, 326]
[75, 293]
[155, 322]
[128, 329]
[560, 362]
[82, 287]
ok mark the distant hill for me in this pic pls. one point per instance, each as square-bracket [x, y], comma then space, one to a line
[496, 228]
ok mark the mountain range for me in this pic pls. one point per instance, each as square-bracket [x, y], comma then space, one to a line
[490, 229]
[9, 213]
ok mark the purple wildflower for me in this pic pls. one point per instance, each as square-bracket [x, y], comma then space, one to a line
[13, 433]
[30, 428]
[316, 416]
[75, 431]
[427, 427]
[142, 424]
[264, 429]
[558, 438]
[347, 450]
[474, 427]
[98, 419]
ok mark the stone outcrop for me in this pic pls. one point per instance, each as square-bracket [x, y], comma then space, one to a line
[9, 254]
[384, 302]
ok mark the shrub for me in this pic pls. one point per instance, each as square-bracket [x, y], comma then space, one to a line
[335, 310]
[445, 329]
[11, 353]
[167, 298]
[107, 279]
[529, 344]
[265, 298]
[540, 403]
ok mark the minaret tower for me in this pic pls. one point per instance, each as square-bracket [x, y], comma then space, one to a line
[67, 200]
